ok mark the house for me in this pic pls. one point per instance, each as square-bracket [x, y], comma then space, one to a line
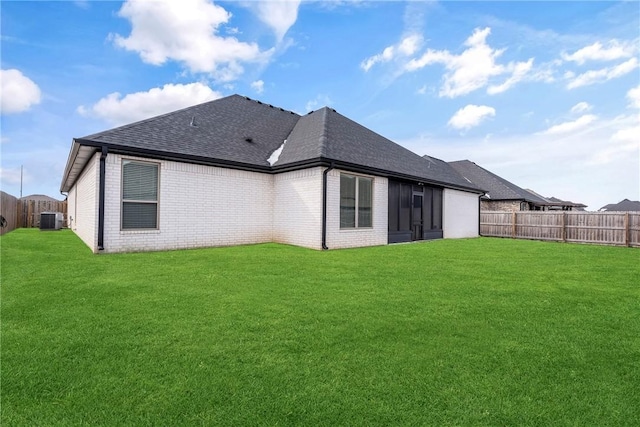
[39, 198]
[564, 205]
[625, 205]
[503, 195]
[238, 171]
[555, 204]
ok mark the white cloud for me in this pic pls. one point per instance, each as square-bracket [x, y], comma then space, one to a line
[634, 97]
[519, 71]
[119, 110]
[571, 126]
[319, 102]
[581, 107]
[594, 165]
[470, 116]
[473, 68]
[82, 4]
[602, 75]
[186, 31]
[405, 48]
[19, 93]
[623, 142]
[258, 86]
[13, 176]
[597, 52]
[630, 135]
[279, 15]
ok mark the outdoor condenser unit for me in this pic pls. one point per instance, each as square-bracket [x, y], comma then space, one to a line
[51, 220]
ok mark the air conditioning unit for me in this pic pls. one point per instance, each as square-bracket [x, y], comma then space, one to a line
[51, 220]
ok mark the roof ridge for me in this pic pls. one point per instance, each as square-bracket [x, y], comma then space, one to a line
[324, 137]
[159, 116]
[149, 119]
[264, 103]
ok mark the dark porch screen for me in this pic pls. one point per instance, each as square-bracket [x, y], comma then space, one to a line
[436, 222]
[400, 207]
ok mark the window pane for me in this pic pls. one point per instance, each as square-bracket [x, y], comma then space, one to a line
[139, 215]
[364, 202]
[347, 201]
[139, 181]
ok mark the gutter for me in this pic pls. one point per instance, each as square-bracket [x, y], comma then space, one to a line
[103, 157]
[303, 164]
[324, 205]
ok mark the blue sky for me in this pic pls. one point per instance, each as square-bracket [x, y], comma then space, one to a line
[544, 94]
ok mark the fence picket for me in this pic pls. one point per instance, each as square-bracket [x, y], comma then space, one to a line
[609, 228]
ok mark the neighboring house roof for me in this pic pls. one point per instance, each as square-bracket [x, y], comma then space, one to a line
[496, 188]
[40, 198]
[560, 202]
[239, 132]
[625, 205]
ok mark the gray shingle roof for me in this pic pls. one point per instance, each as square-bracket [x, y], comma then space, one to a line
[242, 131]
[328, 134]
[497, 188]
[560, 202]
[220, 130]
[624, 206]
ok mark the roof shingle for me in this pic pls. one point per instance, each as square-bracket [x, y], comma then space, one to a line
[243, 131]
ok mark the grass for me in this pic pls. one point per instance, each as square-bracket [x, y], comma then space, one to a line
[450, 332]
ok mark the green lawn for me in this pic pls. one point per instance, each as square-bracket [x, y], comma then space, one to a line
[450, 332]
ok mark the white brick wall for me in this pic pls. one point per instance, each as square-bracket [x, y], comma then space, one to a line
[203, 206]
[297, 208]
[349, 238]
[83, 204]
[460, 212]
[199, 206]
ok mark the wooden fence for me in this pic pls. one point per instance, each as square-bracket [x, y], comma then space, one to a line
[9, 212]
[29, 211]
[606, 228]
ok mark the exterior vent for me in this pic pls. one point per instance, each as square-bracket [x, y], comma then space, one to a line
[51, 220]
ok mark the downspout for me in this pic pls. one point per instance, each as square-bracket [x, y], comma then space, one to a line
[101, 197]
[324, 206]
[479, 212]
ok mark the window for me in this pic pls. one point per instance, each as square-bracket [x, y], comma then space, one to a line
[356, 201]
[139, 195]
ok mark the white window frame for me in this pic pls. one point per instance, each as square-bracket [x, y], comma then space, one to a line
[123, 201]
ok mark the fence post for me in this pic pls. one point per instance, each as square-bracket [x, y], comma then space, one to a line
[564, 226]
[513, 227]
[626, 229]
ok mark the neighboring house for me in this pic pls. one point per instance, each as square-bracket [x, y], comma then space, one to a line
[39, 198]
[237, 171]
[624, 206]
[502, 195]
[565, 205]
[555, 204]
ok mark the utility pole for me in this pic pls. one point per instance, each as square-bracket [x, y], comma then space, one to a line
[21, 181]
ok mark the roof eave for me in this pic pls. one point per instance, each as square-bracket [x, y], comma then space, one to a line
[69, 179]
[73, 163]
